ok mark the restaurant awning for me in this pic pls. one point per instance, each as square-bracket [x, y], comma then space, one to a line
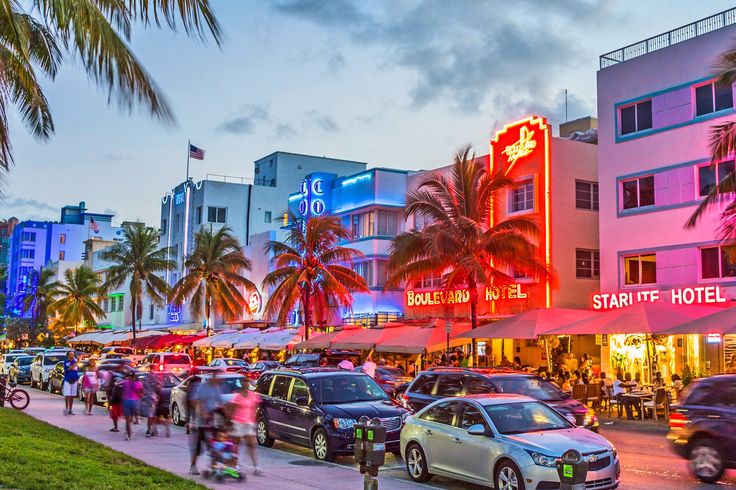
[223, 341]
[280, 339]
[722, 322]
[366, 338]
[530, 324]
[432, 337]
[85, 338]
[325, 340]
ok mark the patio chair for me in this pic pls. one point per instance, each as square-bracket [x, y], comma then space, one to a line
[659, 402]
[593, 394]
[613, 401]
[579, 392]
[605, 400]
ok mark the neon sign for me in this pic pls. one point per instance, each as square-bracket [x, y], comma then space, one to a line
[677, 296]
[523, 147]
[254, 302]
[179, 198]
[173, 313]
[462, 296]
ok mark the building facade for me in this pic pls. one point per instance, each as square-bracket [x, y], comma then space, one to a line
[656, 111]
[6, 230]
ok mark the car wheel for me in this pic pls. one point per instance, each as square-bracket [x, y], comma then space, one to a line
[416, 464]
[321, 446]
[41, 384]
[176, 415]
[706, 460]
[262, 436]
[508, 477]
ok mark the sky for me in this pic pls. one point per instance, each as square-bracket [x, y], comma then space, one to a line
[400, 84]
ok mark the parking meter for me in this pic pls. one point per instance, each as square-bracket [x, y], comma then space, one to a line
[375, 445]
[572, 470]
[360, 428]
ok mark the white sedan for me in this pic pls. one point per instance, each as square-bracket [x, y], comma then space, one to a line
[229, 364]
[230, 383]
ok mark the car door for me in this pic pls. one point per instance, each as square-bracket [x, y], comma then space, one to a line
[276, 411]
[438, 431]
[298, 418]
[471, 452]
[36, 368]
[419, 394]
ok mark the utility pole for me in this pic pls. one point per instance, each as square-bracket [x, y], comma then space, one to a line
[565, 105]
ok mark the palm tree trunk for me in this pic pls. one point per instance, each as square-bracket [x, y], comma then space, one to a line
[473, 287]
[207, 307]
[133, 311]
[307, 316]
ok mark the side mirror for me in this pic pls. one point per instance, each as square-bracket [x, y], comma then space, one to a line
[302, 401]
[478, 430]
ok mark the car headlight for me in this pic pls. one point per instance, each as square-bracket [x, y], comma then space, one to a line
[543, 460]
[589, 418]
[571, 418]
[343, 424]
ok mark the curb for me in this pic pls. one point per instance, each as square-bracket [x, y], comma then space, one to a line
[623, 424]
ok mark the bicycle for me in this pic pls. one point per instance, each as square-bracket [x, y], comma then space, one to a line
[17, 397]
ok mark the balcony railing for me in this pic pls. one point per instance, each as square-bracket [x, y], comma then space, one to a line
[697, 28]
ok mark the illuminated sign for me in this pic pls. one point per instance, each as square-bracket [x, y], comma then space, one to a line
[254, 303]
[713, 338]
[521, 148]
[318, 207]
[677, 296]
[356, 179]
[173, 313]
[317, 186]
[462, 296]
[314, 195]
[179, 198]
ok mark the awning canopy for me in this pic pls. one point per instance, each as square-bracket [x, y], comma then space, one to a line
[430, 338]
[280, 339]
[366, 338]
[530, 324]
[722, 322]
[86, 338]
[325, 340]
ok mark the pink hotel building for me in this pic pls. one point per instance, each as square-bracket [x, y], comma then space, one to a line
[656, 105]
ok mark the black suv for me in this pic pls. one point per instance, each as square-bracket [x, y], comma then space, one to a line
[703, 426]
[314, 359]
[317, 408]
[439, 383]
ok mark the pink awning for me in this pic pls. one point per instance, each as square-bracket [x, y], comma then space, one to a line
[722, 322]
[430, 338]
[529, 324]
[366, 338]
[324, 340]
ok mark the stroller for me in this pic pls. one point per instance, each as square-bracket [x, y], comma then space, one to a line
[223, 451]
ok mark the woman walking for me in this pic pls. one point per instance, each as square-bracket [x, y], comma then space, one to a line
[149, 401]
[71, 377]
[132, 389]
[90, 385]
[242, 409]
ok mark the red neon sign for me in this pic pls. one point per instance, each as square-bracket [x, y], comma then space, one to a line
[677, 296]
[462, 296]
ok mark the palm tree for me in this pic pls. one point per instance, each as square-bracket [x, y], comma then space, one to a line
[37, 300]
[458, 239]
[722, 146]
[138, 259]
[313, 270]
[37, 36]
[213, 277]
[74, 298]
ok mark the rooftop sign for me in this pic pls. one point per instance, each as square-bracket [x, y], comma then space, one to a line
[677, 296]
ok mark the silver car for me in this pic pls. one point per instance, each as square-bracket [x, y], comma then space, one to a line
[510, 442]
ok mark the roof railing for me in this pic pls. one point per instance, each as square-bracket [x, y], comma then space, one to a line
[667, 39]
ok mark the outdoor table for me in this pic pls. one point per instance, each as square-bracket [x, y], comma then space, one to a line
[641, 397]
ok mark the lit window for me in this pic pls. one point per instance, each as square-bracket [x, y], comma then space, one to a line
[587, 263]
[638, 192]
[387, 223]
[718, 262]
[522, 197]
[62, 254]
[365, 270]
[363, 225]
[640, 269]
[586, 195]
[62, 238]
[709, 178]
[712, 98]
[636, 117]
[216, 215]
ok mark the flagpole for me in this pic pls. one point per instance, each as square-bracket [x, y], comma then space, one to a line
[189, 148]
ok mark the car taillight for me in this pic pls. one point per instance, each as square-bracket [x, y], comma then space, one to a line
[678, 420]
[191, 366]
[160, 367]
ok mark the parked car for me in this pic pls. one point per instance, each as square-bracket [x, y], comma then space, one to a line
[703, 426]
[389, 377]
[314, 359]
[42, 366]
[32, 351]
[7, 360]
[229, 364]
[435, 384]
[167, 362]
[317, 408]
[254, 370]
[20, 370]
[231, 382]
[56, 378]
[502, 441]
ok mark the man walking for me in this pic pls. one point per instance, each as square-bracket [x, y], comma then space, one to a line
[369, 367]
[206, 399]
[71, 378]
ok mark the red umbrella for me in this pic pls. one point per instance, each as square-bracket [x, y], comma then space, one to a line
[415, 340]
[325, 340]
[722, 322]
[366, 338]
[528, 325]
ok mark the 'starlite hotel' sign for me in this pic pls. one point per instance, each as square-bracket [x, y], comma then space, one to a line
[677, 296]
[462, 296]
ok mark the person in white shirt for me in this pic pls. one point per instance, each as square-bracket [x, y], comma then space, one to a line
[369, 367]
[346, 364]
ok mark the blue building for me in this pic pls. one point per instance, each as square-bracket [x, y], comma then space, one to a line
[34, 244]
[371, 205]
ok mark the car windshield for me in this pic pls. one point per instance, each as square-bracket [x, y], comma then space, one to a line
[177, 359]
[49, 360]
[24, 361]
[235, 362]
[518, 418]
[348, 389]
[530, 386]
[11, 357]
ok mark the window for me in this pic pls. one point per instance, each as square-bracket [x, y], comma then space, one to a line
[280, 388]
[522, 197]
[423, 385]
[150, 311]
[709, 176]
[444, 413]
[587, 263]
[381, 272]
[712, 98]
[471, 416]
[267, 216]
[299, 390]
[198, 213]
[62, 254]
[387, 223]
[164, 223]
[62, 238]
[365, 270]
[27, 253]
[216, 215]
[433, 280]
[451, 385]
[638, 192]
[586, 195]
[718, 262]
[636, 117]
[640, 269]
[176, 251]
[106, 305]
[177, 222]
[478, 385]
[28, 236]
[363, 225]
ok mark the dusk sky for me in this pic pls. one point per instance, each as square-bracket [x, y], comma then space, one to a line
[396, 84]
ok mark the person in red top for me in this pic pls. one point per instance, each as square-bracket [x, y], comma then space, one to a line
[242, 409]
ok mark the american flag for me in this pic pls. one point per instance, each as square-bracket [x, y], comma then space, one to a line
[196, 153]
[94, 226]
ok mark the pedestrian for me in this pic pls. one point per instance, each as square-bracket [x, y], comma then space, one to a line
[207, 400]
[132, 390]
[90, 385]
[163, 413]
[197, 438]
[115, 400]
[369, 367]
[70, 384]
[242, 409]
[149, 401]
[346, 364]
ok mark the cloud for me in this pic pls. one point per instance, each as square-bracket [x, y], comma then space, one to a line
[285, 131]
[110, 211]
[246, 122]
[474, 56]
[324, 122]
[29, 209]
[333, 59]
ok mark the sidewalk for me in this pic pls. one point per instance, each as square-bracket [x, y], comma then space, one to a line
[281, 470]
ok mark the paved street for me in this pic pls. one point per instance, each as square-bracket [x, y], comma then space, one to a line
[647, 462]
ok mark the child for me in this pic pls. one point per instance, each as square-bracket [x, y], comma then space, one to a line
[115, 401]
[224, 454]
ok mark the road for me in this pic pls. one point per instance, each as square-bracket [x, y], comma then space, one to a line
[646, 460]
